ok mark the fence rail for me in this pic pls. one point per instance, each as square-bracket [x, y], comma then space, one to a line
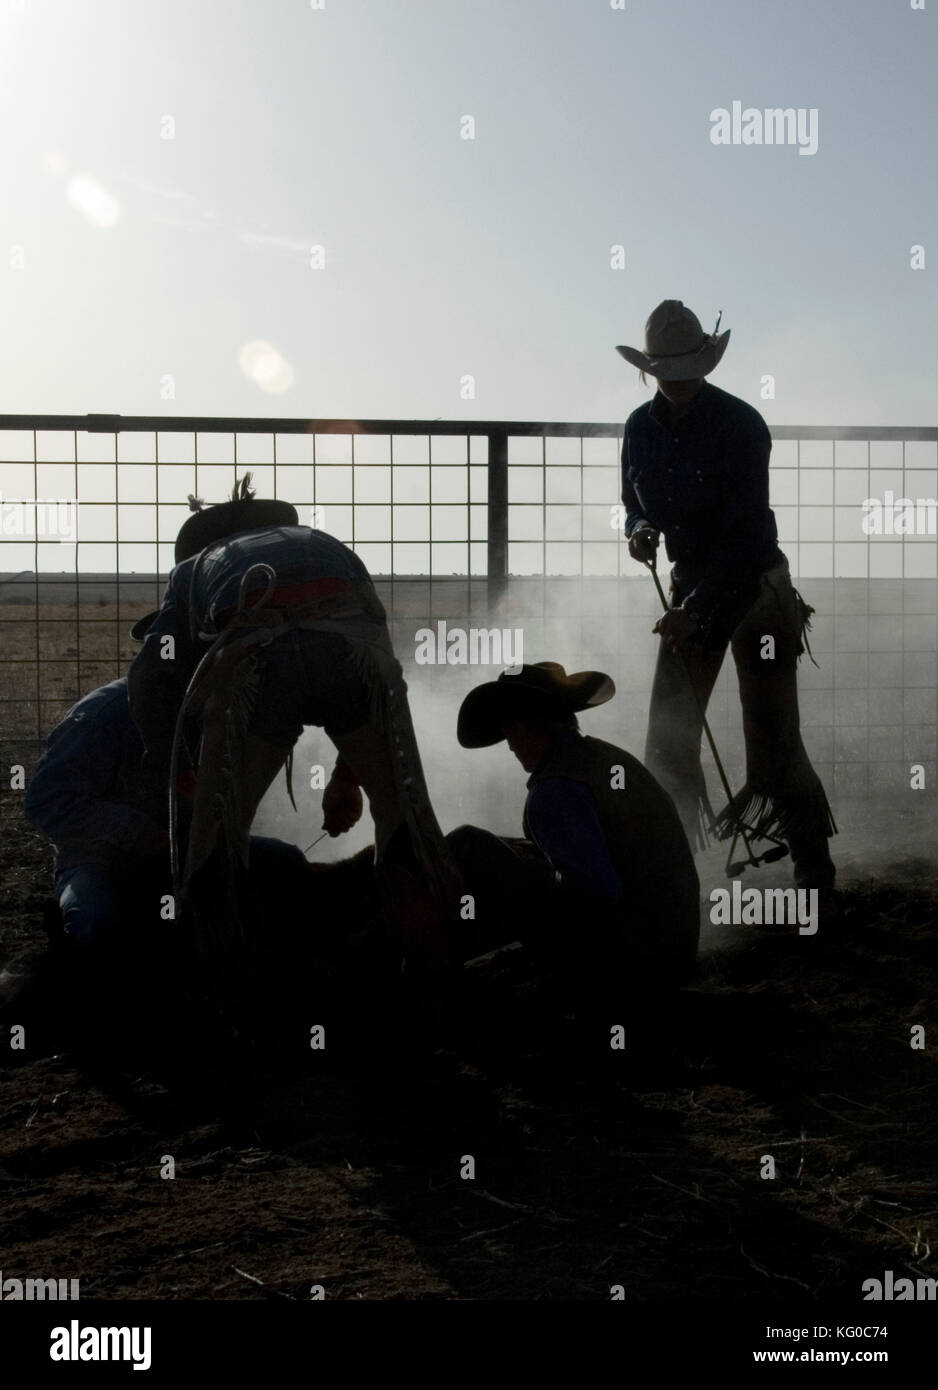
[253, 424]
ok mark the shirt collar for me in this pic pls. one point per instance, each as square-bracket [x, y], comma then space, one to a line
[661, 415]
[561, 741]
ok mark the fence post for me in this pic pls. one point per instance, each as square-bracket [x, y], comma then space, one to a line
[497, 566]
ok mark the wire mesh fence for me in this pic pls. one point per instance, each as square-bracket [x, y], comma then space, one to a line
[447, 515]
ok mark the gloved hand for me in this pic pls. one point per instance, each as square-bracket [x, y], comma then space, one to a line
[676, 626]
[342, 801]
[643, 543]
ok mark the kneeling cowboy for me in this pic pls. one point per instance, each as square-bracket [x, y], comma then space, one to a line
[606, 884]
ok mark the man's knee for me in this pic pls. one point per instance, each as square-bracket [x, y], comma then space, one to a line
[90, 910]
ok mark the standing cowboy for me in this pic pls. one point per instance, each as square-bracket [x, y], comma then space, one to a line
[606, 881]
[267, 626]
[695, 466]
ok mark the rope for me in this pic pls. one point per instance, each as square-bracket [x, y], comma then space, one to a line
[223, 638]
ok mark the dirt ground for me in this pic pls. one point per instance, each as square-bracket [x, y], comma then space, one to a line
[342, 1167]
[594, 1167]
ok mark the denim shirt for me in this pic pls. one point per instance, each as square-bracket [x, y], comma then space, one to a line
[564, 824]
[157, 686]
[703, 480]
[295, 553]
[87, 793]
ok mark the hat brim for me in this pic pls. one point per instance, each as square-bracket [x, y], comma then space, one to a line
[142, 626]
[482, 714]
[685, 368]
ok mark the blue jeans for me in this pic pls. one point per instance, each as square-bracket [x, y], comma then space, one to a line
[97, 900]
[308, 678]
[101, 901]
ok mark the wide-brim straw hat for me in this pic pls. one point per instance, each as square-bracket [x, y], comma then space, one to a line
[676, 347]
[543, 689]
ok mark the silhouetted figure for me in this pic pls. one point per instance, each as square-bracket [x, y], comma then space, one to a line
[106, 816]
[695, 466]
[606, 882]
[106, 819]
[281, 627]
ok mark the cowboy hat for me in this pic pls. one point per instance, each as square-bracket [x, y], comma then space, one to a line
[676, 347]
[543, 689]
[207, 525]
[244, 512]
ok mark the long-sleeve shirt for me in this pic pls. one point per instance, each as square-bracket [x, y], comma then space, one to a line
[563, 821]
[621, 846]
[87, 792]
[703, 480]
[157, 685]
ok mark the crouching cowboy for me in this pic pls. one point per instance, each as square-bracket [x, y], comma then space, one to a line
[106, 816]
[606, 885]
[267, 626]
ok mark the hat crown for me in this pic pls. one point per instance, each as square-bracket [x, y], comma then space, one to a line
[538, 691]
[672, 329]
[214, 524]
[548, 676]
[676, 347]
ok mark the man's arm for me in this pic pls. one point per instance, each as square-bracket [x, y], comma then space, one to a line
[641, 535]
[562, 817]
[634, 518]
[70, 797]
[342, 802]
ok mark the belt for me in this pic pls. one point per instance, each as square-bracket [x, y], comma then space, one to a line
[293, 603]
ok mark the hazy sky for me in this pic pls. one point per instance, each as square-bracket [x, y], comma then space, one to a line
[133, 258]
